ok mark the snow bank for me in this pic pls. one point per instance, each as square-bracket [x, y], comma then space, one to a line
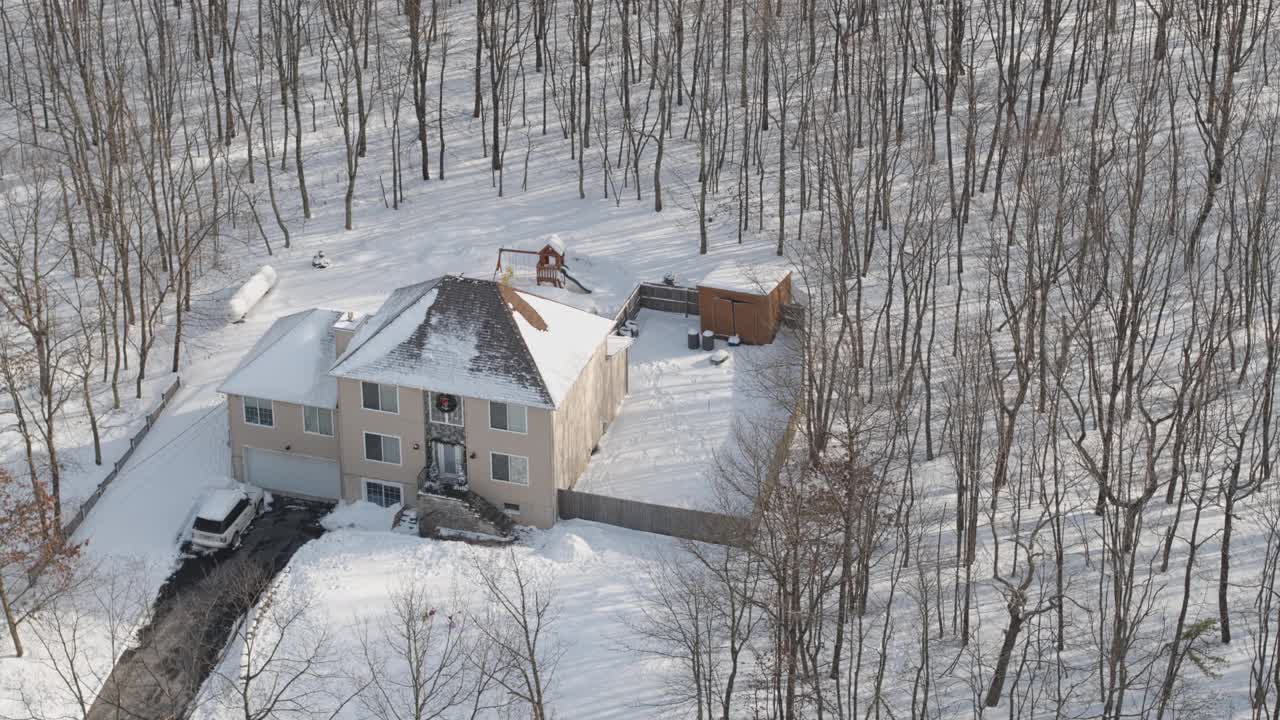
[350, 579]
[360, 515]
[251, 292]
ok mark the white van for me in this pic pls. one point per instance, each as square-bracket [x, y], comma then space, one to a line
[223, 516]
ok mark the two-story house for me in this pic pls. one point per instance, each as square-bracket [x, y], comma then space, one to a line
[453, 380]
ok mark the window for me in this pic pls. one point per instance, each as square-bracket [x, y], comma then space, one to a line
[258, 412]
[317, 420]
[382, 448]
[384, 398]
[382, 494]
[511, 508]
[509, 468]
[512, 418]
[446, 418]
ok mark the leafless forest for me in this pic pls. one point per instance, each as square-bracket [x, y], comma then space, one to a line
[1038, 244]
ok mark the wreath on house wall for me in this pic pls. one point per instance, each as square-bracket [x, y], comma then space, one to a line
[446, 403]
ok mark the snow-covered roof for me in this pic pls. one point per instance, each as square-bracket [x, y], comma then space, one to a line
[349, 321]
[738, 277]
[475, 338]
[290, 362]
[218, 503]
[565, 347]
[556, 243]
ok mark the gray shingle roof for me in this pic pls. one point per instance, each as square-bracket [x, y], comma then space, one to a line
[462, 336]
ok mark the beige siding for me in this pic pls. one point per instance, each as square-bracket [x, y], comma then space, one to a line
[286, 434]
[591, 404]
[537, 500]
[407, 424]
[619, 383]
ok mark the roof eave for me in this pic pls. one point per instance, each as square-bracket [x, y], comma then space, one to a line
[552, 405]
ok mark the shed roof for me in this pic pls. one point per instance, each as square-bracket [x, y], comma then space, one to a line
[736, 276]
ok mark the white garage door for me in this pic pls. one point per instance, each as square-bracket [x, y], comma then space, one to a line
[293, 474]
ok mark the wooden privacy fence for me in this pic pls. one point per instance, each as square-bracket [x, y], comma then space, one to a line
[656, 296]
[648, 517]
[69, 528]
[700, 525]
[793, 316]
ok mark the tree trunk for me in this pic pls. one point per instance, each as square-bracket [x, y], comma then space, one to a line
[10, 619]
[93, 417]
[1224, 573]
[1002, 663]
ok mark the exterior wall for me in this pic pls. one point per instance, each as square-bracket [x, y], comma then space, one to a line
[286, 435]
[764, 311]
[537, 500]
[407, 424]
[580, 421]
[619, 382]
[782, 293]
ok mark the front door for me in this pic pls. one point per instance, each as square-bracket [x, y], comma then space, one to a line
[449, 466]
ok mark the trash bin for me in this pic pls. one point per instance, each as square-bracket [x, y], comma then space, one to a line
[693, 338]
[708, 340]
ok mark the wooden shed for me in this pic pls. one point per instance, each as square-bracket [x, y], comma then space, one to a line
[734, 299]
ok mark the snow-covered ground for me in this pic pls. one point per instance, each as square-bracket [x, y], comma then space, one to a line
[131, 544]
[457, 225]
[679, 416]
[598, 573]
[446, 226]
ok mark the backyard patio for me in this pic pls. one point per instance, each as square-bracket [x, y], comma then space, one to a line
[679, 416]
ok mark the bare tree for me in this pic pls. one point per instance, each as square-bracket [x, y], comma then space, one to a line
[284, 664]
[419, 659]
[517, 618]
[346, 25]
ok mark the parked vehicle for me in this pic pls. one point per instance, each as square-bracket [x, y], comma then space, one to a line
[224, 514]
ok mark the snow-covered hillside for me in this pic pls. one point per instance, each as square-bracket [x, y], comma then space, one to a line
[1037, 245]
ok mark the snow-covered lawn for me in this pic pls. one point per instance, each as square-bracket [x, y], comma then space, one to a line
[131, 544]
[598, 573]
[455, 226]
[679, 416]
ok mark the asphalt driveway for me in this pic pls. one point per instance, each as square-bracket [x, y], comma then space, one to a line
[195, 612]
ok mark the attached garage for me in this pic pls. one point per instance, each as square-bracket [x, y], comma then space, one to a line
[290, 474]
[743, 301]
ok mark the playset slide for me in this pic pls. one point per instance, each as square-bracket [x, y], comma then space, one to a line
[565, 271]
